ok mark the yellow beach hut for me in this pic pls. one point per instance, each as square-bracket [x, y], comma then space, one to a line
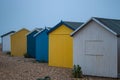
[18, 42]
[61, 44]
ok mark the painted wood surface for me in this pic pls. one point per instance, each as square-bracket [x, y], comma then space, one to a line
[6, 43]
[41, 42]
[19, 43]
[31, 44]
[61, 47]
[95, 50]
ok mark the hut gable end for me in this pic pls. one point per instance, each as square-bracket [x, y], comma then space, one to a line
[62, 30]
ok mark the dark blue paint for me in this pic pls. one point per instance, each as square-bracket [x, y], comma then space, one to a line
[42, 46]
[31, 44]
[71, 25]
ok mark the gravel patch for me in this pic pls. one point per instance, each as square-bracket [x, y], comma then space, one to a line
[20, 68]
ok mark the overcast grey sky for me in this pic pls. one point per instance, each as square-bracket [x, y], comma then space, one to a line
[16, 14]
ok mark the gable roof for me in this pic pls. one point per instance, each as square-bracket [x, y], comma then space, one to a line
[20, 30]
[46, 28]
[111, 25]
[71, 25]
[7, 33]
[36, 29]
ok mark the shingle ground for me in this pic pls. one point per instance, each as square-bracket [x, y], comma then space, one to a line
[20, 68]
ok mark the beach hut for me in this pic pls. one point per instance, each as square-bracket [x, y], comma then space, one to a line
[19, 42]
[96, 47]
[61, 44]
[31, 42]
[41, 45]
[6, 42]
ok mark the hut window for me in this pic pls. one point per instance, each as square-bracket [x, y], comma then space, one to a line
[94, 47]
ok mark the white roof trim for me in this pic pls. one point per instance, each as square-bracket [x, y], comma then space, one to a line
[104, 26]
[36, 29]
[38, 32]
[74, 32]
[41, 31]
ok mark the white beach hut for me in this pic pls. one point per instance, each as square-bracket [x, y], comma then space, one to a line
[97, 47]
[6, 42]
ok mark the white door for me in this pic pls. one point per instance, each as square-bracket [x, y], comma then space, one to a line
[94, 57]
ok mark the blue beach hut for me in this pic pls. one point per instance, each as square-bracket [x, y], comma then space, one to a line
[31, 42]
[41, 45]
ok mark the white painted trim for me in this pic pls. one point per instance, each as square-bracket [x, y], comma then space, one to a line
[36, 29]
[73, 33]
[104, 26]
[41, 31]
[38, 32]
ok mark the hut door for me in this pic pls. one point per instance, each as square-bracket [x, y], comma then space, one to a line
[94, 54]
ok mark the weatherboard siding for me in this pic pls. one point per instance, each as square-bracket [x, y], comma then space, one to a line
[42, 46]
[31, 44]
[6, 44]
[61, 47]
[95, 50]
[19, 43]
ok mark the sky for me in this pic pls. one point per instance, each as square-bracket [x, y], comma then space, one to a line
[30, 14]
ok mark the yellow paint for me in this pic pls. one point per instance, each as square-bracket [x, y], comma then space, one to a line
[18, 42]
[61, 47]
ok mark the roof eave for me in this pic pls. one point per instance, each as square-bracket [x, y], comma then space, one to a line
[39, 32]
[59, 24]
[32, 32]
[104, 26]
[7, 33]
[20, 30]
[79, 28]
[56, 26]
[118, 35]
[68, 26]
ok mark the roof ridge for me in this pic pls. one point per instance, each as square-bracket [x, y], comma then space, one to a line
[106, 18]
[113, 25]
[40, 31]
[35, 29]
[71, 25]
[72, 21]
[21, 30]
